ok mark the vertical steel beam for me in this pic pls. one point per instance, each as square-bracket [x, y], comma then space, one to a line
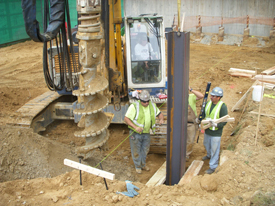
[178, 82]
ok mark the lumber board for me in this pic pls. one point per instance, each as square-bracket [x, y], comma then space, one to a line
[159, 177]
[226, 118]
[242, 71]
[269, 71]
[243, 97]
[191, 172]
[265, 77]
[269, 86]
[238, 74]
[267, 81]
[89, 169]
[230, 119]
[262, 114]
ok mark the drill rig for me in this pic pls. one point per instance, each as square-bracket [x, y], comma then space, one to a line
[91, 69]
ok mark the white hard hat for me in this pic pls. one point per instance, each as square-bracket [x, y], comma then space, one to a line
[144, 95]
[217, 91]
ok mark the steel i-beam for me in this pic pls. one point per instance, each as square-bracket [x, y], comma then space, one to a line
[178, 82]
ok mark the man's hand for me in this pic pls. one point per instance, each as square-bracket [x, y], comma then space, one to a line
[161, 118]
[139, 129]
[146, 65]
[212, 123]
[197, 121]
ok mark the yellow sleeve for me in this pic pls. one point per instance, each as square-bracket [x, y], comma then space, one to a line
[131, 112]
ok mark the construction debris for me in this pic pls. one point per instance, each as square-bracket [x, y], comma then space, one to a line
[269, 71]
[241, 72]
[266, 78]
[238, 74]
[235, 107]
[268, 115]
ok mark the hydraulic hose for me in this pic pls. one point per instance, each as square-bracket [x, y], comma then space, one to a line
[57, 13]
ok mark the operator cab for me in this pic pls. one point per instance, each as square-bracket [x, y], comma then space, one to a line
[145, 47]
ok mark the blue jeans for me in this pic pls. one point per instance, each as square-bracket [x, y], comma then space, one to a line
[212, 146]
[140, 145]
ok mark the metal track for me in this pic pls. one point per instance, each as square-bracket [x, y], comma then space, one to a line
[159, 139]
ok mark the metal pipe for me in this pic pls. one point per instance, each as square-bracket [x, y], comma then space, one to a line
[104, 178]
[80, 175]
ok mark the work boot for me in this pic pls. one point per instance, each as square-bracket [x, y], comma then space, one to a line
[146, 168]
[138, 170]
[205, 158]
[209, 171]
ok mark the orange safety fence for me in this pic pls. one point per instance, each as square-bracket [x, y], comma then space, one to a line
[205, 21]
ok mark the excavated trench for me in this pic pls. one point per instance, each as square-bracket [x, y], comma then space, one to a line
[26, 155]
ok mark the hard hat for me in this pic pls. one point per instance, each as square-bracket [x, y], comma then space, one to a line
[217, 91]
[144, 95]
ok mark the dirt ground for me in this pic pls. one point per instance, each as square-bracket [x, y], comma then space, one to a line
[31, 165]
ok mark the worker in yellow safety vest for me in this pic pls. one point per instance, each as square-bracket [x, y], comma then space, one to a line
[214, 109]
[140, 118]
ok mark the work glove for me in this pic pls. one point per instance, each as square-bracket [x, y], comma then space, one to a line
[213, 124]
[131, 188]
[126, 194]
[197, 121]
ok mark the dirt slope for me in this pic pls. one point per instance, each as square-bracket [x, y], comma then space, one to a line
[36, 161]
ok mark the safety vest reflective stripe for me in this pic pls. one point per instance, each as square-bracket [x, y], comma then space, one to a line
[137, 114]
[155, 112]
[215, 113]
[139, 118]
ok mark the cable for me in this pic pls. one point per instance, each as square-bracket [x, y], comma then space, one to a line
[66, 62]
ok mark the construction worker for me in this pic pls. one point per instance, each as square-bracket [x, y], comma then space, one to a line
[193, 124]
[214, 109]
[140, 117]
[193, 98]
[144, 53]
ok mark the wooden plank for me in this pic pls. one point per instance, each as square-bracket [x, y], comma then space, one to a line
[191, 172]
[159, 177]
[89, 169]
[229, 119]
[268, 115]
[265, 77]
[242, 71]
[269, 86]
[269, 71]
[226, 118]
[238, 74]
[243, 97]
[267, 81]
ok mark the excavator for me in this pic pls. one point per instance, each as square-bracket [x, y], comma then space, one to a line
[95, 70]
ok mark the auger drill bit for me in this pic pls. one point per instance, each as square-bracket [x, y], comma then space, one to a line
[93, 120]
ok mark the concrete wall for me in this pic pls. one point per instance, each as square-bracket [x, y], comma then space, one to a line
[215, 9]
